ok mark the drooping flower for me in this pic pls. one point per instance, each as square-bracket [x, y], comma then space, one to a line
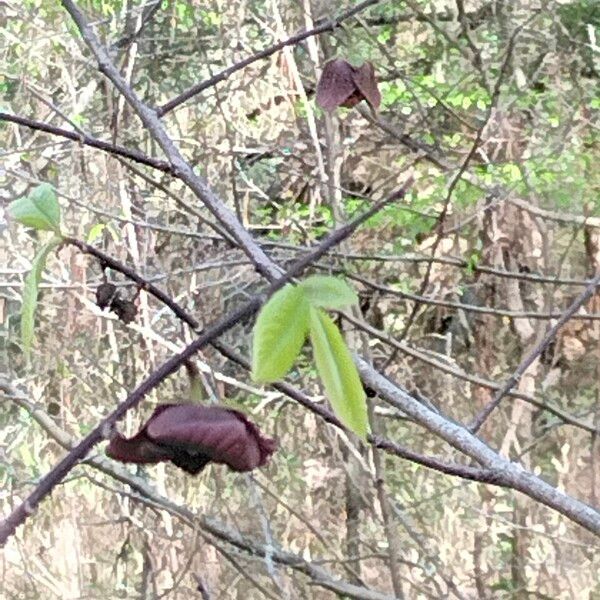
[191, 436]
[342, 84]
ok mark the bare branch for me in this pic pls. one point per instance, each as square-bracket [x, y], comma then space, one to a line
[329, 25]
[88, 140]
[511, 474]
[210, 333]
[474, 379]
[179, 167]
[220, 531]
[539, 348]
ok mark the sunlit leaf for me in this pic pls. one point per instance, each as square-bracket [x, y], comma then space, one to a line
[338, 373]
[328, 292]
[279, 333]
[39, 210]
[95, 232]
[30, 293]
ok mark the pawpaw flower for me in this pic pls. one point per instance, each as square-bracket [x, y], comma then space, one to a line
[190, 436]
[342, 84]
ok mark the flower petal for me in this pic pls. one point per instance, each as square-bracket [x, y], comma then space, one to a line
[191, 436]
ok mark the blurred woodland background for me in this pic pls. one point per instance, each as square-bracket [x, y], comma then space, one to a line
[493, 106]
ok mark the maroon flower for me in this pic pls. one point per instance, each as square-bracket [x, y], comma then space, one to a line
[191, 436]
[341, 84]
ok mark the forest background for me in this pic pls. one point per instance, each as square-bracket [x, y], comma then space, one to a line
[478, 295]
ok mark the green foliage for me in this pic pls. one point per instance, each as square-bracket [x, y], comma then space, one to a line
[279, 333]
[107, 7]
[95, 232]
[30, 293]
[281, 329]
[328, 292]
[427, 90]
[39, 210]
[385, 34]
[185, 13]
[467, 195]
[409, 217]
[393, 92]
[473, 261]
[338, 373]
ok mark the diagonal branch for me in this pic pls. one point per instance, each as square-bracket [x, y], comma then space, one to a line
[147, 494]
[456, 179]
[88, 140]
[460, 374]
[457, 470]
[179, 167]
[210, 333]
[147, 15]
[328, 25]
[510, 474]
[589, 291]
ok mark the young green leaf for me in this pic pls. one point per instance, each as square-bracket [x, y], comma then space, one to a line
[279, 333]
[39, 210]
[95, 232]
[338, 373]
[30, 293]
[328, 292]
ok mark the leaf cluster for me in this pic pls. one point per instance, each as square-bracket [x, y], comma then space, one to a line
[291, 315]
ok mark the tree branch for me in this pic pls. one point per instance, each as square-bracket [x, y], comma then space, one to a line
[329, 25]
[510, 474]
[219, 530]
[474, 379]
[88, 140]
[589, 291]
[466, 472]
[102, 431]
[179, 167]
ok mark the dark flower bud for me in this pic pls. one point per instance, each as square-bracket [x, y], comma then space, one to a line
[191, 436]
[126, 310]
[104, 294]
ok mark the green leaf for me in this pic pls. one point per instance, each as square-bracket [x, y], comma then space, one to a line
[279, 333]
[39, 210]
[30, 293]
[196, 393]
[95, 232]
[328, 292]
[338, 373]
[472, 263]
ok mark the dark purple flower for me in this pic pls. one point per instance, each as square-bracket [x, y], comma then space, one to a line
[191, 436]
[342, 84]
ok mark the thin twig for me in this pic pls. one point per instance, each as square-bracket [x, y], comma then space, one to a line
[589, 291]
[474, 379]
[179, 166]
[212, 530]
[210, 333]
[508, 473]
[484, 310]
[495, 95]
[88, 140]
[329, 25]
[148, 13]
